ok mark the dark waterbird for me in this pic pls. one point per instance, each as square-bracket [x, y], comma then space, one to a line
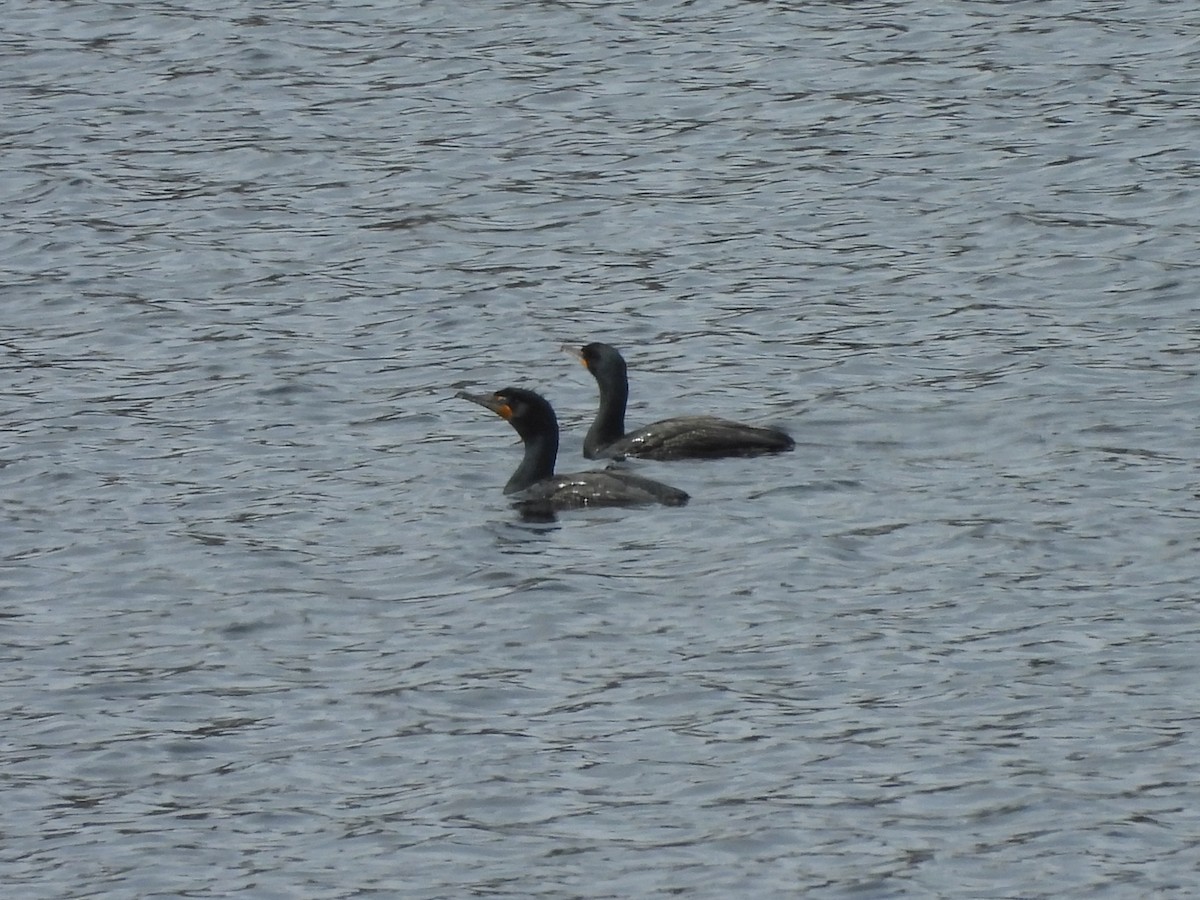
[682, 437]
[539, 491]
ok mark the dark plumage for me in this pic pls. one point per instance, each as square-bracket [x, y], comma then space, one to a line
[539, 491]
[683, 437]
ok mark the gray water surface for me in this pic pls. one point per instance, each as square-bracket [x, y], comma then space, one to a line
[270, 627]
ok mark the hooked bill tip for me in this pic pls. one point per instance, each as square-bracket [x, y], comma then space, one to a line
[488, 401]
[576, 351]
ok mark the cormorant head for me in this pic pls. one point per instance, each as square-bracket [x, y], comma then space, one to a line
[528, 412]
[604, 362]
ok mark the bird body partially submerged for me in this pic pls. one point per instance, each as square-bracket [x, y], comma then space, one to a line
[693, 437]
[682, 437]
[608, 487]
[535, 487]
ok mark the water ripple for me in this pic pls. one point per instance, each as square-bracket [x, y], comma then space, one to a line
[269, 621]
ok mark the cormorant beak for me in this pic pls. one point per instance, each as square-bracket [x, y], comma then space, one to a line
[576, 352]
[489, 401]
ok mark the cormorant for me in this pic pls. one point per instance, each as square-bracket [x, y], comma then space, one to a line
[541, 492]
[682, 437]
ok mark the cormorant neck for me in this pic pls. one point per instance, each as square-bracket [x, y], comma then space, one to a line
[541, 448]
[609, 424]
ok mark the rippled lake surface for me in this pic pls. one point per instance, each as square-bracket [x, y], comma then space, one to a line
[270, 627]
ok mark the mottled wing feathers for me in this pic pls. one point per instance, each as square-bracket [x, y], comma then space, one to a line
[698, 437]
